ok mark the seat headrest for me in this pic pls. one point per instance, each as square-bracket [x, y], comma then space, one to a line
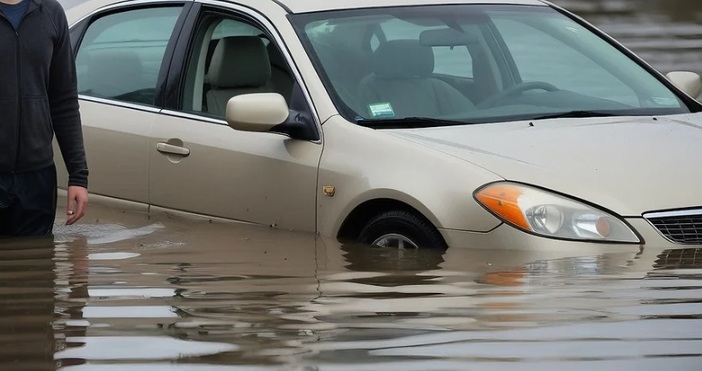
[239, 61]
[403, 59]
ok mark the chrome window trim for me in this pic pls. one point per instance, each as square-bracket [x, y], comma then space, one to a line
[273, 31]
[675, 213]
[193, 116]
[119, 103]
[127, 4]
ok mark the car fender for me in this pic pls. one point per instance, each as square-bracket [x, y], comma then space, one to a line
[360, 164]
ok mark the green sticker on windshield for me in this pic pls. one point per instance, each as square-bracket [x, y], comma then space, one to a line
[381, 110]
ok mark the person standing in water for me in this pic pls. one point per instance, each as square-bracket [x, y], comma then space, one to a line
[38, 99]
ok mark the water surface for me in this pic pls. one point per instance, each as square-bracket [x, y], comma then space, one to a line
[131, 292]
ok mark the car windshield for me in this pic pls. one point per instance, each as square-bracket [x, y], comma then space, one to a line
[454, 64]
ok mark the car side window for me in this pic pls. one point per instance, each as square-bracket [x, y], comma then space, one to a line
[230, 57]
[121, 54]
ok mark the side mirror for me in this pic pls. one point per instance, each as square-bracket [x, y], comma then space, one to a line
[689, 82]
[258, 112]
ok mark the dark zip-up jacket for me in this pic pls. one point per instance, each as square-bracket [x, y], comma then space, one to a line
[38, 93]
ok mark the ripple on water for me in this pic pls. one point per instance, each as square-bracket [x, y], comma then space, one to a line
[222, 302]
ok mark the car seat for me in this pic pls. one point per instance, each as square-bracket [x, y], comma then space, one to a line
[402, 78]
[240, 65]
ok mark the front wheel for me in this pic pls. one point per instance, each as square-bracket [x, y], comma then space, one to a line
[401, 229]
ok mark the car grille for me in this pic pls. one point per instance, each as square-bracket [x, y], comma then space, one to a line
[683, 226]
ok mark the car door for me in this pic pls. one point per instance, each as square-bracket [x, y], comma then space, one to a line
[198, 163]
[119, 58]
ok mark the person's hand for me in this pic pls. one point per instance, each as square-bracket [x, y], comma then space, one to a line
[77, 203]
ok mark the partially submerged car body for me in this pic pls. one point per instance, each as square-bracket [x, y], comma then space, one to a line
[358, 169]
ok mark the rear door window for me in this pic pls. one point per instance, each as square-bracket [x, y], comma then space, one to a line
[121, 54]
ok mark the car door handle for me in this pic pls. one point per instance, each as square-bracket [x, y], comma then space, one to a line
[171, 149]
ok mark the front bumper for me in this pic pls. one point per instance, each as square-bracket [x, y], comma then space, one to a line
[510, 238]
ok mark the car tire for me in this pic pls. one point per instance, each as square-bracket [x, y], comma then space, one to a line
[402, 229]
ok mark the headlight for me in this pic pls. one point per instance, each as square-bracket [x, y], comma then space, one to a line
[551, 215]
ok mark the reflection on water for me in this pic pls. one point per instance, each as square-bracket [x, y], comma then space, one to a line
[27, 304]
[121, 294]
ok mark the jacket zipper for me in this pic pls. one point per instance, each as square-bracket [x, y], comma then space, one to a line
[19, 98]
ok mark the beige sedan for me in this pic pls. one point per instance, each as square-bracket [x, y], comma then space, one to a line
[409, 123]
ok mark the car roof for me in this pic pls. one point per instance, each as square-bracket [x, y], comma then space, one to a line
[76, 9]
[305, 6]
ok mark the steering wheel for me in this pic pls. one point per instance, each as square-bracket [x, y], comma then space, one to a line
[515, 90]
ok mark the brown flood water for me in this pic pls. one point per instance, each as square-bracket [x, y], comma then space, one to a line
[129, 292]
[124, 291]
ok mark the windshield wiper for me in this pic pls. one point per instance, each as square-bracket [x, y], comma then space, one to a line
[407, 123]
[575, 114]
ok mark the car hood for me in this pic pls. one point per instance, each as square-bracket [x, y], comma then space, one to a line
[628, 165]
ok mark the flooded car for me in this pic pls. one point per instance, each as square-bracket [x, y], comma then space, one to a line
[408, 123]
